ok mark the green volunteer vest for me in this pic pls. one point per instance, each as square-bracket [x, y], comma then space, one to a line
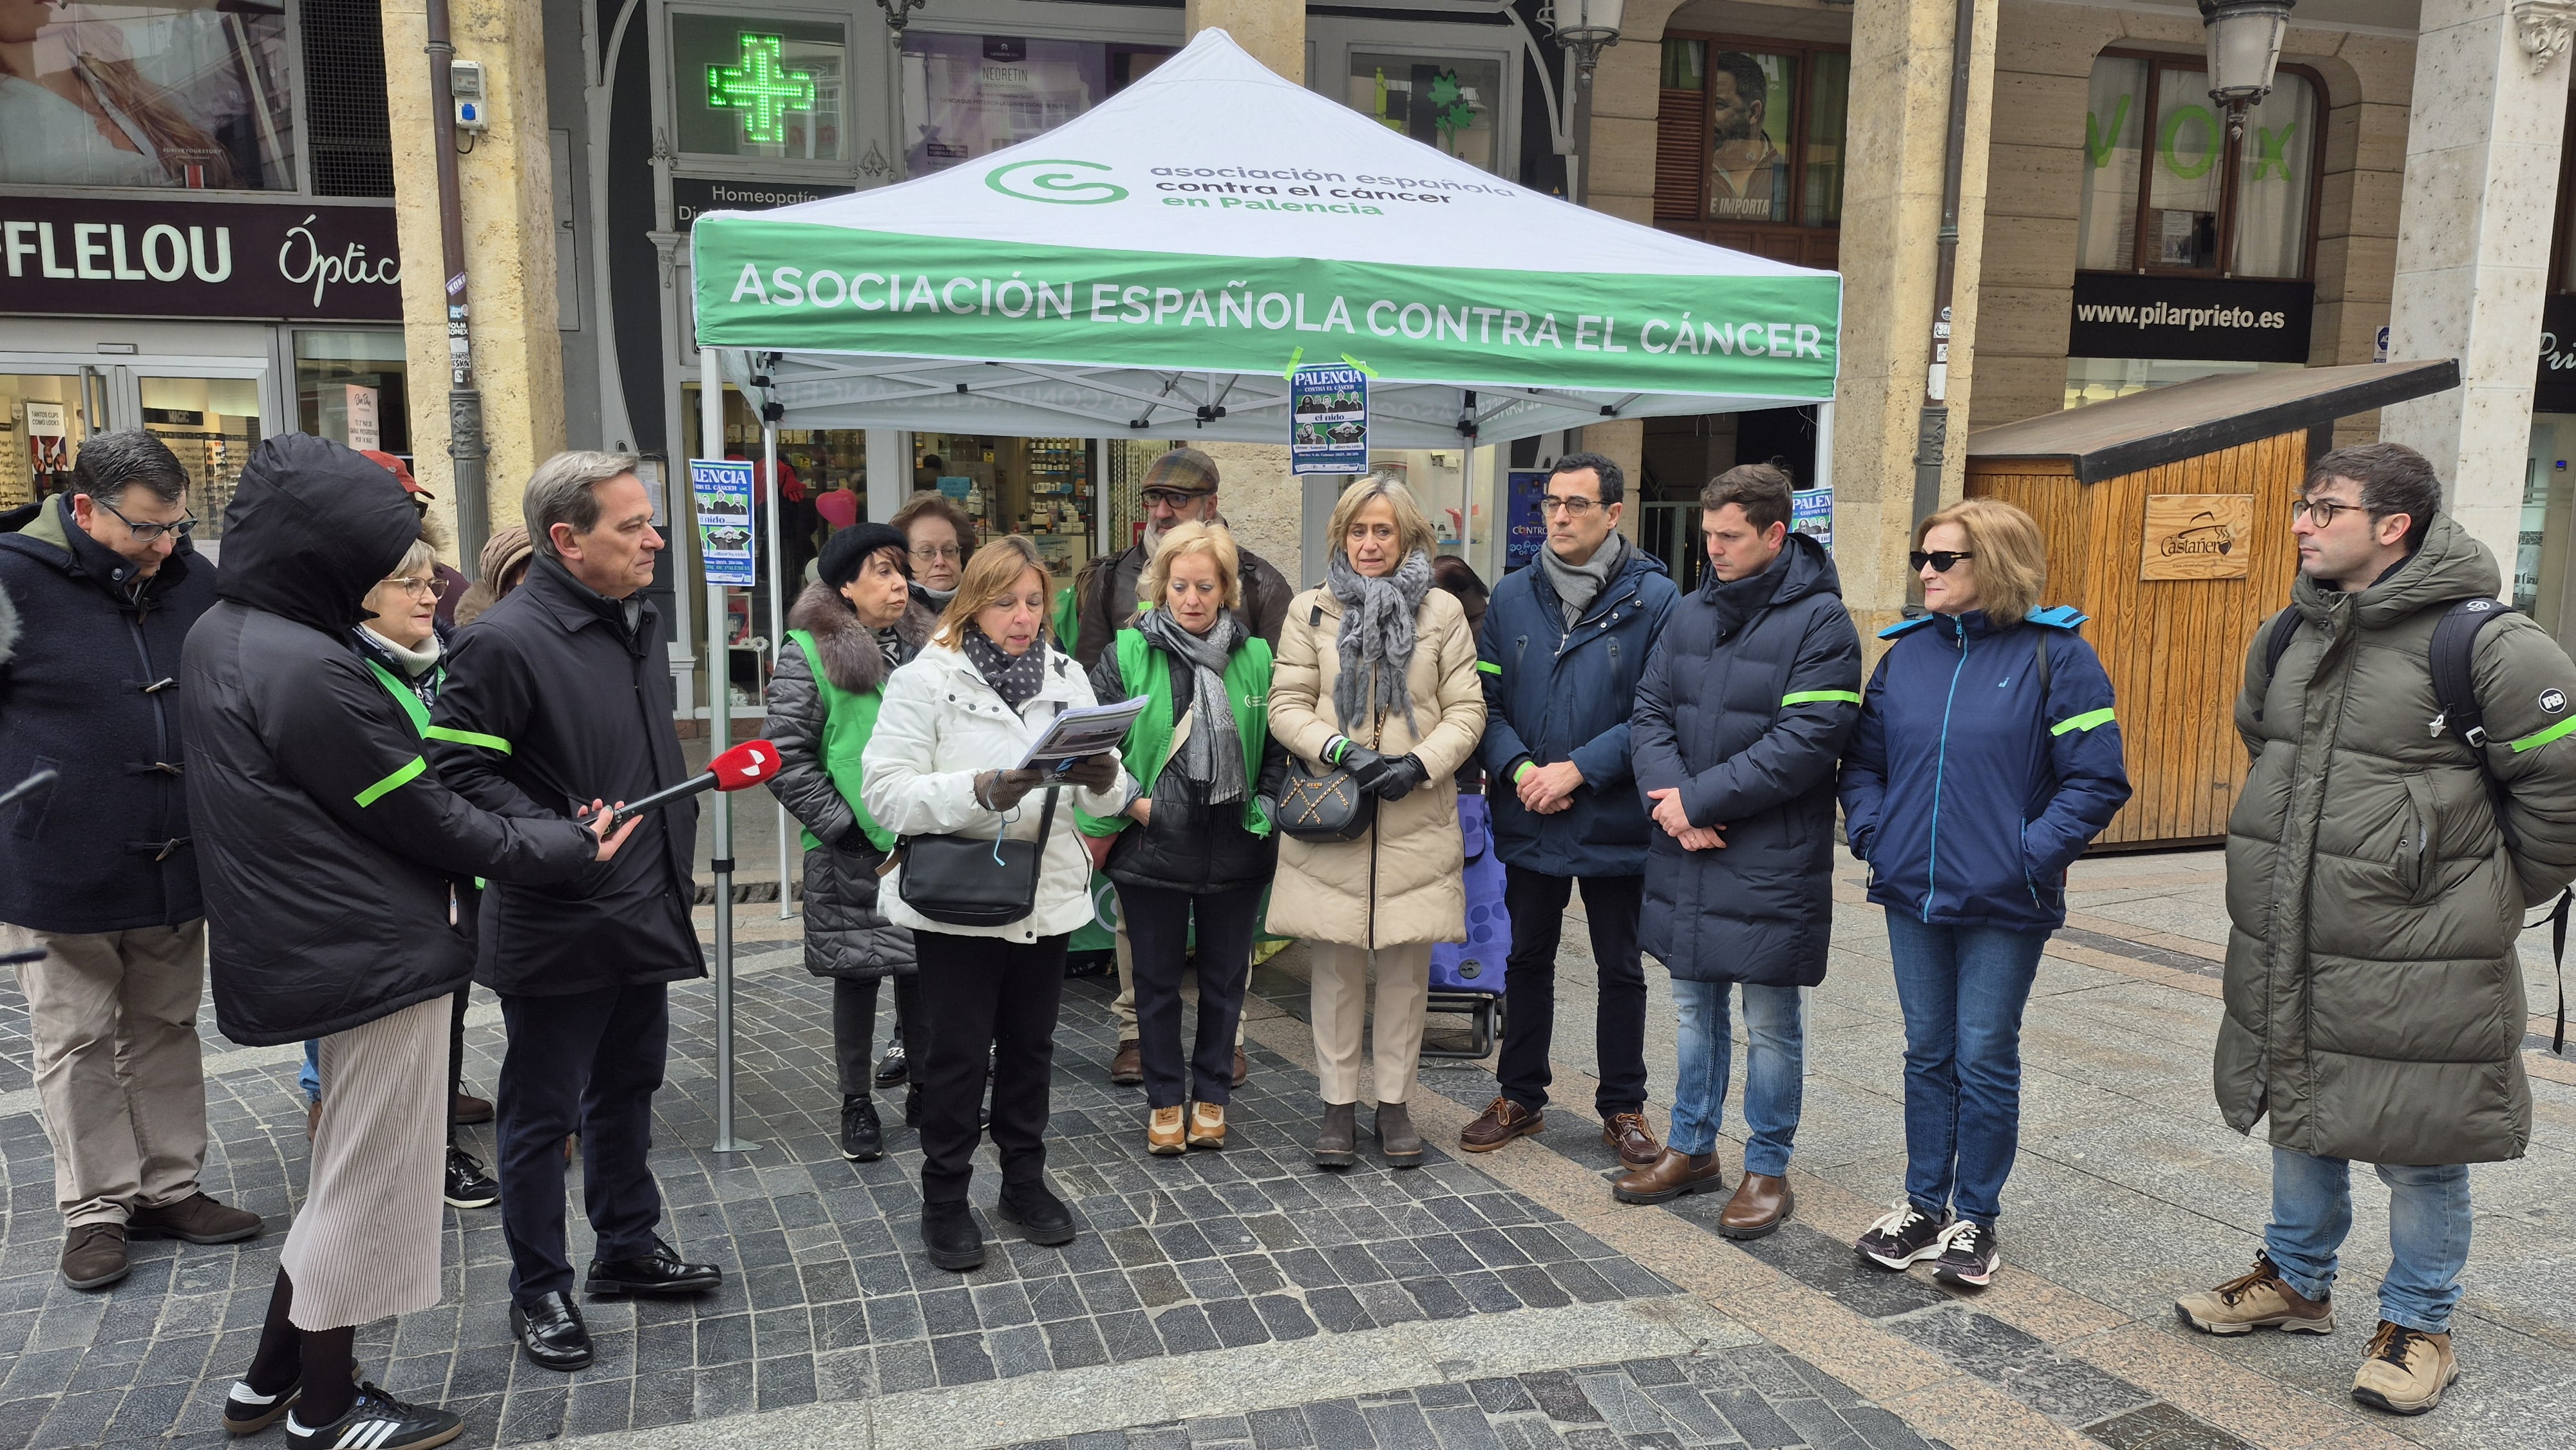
[1148, 671]
[848, 720]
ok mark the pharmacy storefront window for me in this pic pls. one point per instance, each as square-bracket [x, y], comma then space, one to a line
[2164, 188]
[1750, 145]
[966, 96]
[1448, 104]
[772, 88]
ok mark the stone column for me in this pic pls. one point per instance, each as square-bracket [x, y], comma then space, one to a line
[505, 186]
[1273, 30]
[2482, 146]
[1900, 119]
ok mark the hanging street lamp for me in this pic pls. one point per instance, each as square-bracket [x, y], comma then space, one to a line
[2244, 46]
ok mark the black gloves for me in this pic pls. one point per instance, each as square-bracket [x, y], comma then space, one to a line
[1400, 777]
[1363, 763]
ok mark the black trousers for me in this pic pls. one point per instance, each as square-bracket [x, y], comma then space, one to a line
[1610, 906]
[854, 1027]
[588, 1063]
[988, 999]
[455, 1062]
[1158, 934]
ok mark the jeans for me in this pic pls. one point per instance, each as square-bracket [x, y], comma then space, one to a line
[989, 999]
[1611, 905]
[1962, 989]
[2428, 1233]
[587, 1062]
[1774, 1071]
[1158, 922]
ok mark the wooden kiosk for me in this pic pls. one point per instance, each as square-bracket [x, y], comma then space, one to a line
[2167, 514]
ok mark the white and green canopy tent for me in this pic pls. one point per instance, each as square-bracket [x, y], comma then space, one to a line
[1157, 266]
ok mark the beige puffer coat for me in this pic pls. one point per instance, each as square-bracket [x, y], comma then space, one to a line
[1404, 882]
[2374, 998]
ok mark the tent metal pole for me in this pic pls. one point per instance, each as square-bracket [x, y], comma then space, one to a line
[719, 736]
[777, 609]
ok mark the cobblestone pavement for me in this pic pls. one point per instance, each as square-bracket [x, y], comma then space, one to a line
[1242, 1301]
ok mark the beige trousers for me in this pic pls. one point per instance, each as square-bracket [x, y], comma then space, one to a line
[119, 1072]
[1340, 1005]
[366, 1242]
[1125, 1006]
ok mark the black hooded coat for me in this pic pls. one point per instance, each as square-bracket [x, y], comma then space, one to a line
[331, 856]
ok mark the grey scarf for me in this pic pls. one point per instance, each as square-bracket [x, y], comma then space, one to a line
[1377, 638]
[1577, 585]
[1213, 755]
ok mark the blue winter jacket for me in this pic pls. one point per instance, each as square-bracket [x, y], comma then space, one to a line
[1552, 694]
[1968, 793]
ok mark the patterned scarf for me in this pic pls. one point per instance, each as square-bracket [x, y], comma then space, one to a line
[1213, 755]
[1377, 638]
[1016, 678]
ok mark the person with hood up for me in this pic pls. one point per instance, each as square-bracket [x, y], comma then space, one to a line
[2377, 873]
[1987, 756]
[846, 633]
[1744, 709]
[335, 864]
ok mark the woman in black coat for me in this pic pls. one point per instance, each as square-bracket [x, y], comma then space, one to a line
[848, 631]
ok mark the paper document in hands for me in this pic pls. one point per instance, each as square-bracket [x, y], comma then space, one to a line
[1085, 730]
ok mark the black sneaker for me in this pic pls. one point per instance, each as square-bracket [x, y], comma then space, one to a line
[377, 1421]
[1968, 1255]
[247, 1411]
[1904, 1236]
[893, 1069]
[468, 1186]
[862, 1136]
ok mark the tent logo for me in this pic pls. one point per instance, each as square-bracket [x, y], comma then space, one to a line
[1063, 188]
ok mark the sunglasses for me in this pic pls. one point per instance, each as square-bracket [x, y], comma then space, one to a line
[1941, 560]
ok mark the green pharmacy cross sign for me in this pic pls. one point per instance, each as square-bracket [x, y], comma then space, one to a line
[761, 87]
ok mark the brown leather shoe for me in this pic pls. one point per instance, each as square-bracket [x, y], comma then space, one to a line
[1502, 1121]
[1761, 1203]
[1672, 1175]
[1636, 1143]
[469, 1110]
[1128, 1068]
[1242, 1068]
[195, 1219]
[94, 1255]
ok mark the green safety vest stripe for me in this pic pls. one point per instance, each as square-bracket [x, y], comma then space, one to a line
[391, 783]
[404, 697]
[465, 737]
[1489, 667]
[1822, 697]
[1147, 671]
[2085, 721]
[2538, 739]
[848, 720]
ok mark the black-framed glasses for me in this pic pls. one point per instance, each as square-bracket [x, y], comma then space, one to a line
[150, 533]
[2320, 511]
[1573, 507]
[1941, 560]
[1173, 498]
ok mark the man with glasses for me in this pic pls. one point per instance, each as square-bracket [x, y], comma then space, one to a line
[2380, 859]
[96, 869]
[1179, 488]
[1563, 647]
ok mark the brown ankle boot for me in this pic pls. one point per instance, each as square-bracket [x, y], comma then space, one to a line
[1673, 1175]
[1761, 1203]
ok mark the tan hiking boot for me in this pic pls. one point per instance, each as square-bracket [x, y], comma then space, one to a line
[1164, 1135]
[2258, 1300]
[2405, 1370]
[1207, 1125]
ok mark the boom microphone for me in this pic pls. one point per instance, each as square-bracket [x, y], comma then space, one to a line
[746, 765]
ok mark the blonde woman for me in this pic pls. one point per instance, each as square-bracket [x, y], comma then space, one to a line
[1377, 675]
[1987, 732]
[1197, 843]
[950, 732]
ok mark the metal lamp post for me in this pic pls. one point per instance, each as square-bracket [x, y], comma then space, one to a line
[1582, 29]
[2244, 46]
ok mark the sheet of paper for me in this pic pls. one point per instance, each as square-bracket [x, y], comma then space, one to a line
[1083, 730]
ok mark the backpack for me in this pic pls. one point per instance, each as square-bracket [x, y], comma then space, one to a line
[2463, 715]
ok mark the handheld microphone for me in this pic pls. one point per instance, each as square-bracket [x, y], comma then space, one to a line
[746, 765]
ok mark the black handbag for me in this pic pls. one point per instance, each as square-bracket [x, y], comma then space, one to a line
[974, 880]
[1324, 805]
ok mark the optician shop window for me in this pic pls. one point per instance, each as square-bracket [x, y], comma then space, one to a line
[767, 87]
[2164, 189]
[966, 96]
[1750, 144]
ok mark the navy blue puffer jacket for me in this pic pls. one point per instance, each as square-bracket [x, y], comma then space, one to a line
[1553, 693]
[1746, 705]
[1967, 791]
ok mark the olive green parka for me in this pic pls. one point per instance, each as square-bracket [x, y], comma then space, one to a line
[2374, 1000]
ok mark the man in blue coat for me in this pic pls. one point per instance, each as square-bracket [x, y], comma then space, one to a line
[1740, 719]
[1562, 647]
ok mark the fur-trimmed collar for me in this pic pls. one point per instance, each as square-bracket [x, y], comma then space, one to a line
[850, 657]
